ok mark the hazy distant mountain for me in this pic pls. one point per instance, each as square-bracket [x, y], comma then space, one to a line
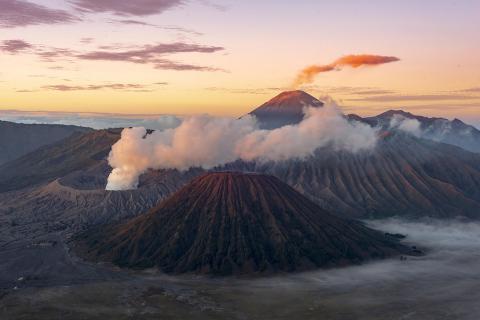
[286, 108]
[232, 223]
[454, 132]
[18, 139]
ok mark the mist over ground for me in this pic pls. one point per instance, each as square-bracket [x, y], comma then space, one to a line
[443, 284]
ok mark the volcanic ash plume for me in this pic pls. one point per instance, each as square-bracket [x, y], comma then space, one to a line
[308, 74]
[207, 142]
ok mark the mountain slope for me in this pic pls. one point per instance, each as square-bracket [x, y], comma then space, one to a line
[57, 160]
[403, 175]
[232, 223]
[454, 132]
[18, 139]
[284, 109]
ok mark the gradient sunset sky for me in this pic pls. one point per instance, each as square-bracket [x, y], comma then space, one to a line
[225, 57]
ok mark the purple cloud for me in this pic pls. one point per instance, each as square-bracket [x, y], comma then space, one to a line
[17, 13]
[148, 54]
[152, 54]
[127, 8]
[14, 46]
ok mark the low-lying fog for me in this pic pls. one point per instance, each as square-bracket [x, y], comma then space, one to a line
[444, 284]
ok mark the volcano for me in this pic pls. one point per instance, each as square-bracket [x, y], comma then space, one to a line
[235, 223]
[284, 109]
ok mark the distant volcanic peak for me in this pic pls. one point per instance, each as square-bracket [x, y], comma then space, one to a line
[284, 109]
[293, 99]
[233, 223]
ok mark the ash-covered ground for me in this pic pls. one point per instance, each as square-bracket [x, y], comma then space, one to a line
[41, 280]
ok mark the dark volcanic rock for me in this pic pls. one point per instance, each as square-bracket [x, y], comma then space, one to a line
[233, 223]
[284, 109]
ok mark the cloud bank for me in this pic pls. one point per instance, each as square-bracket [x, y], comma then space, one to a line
[153, 54]
[308, 74]
[149, 54]
[17, 13]
[127, 8]
[418, 97]
[207, 142]
[94, 87]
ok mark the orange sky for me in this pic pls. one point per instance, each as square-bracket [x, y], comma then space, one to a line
[202, 57]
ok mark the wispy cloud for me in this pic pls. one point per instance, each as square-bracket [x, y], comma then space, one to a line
[147, 54]
[474, 90]
[163, 27]
[109, 86]
[14, 46]
[247, 90]
[17, 13]
[153, 54]
[86, 40]
[372, 92]
[420, 97]
[126, 8]
[214, 5]
[114, 86]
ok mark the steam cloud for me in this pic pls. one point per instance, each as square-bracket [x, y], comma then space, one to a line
[402, 123]
[308, 74]
[207, 142]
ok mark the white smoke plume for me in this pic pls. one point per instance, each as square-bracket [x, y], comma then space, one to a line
[402, 123]
[206, 142]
